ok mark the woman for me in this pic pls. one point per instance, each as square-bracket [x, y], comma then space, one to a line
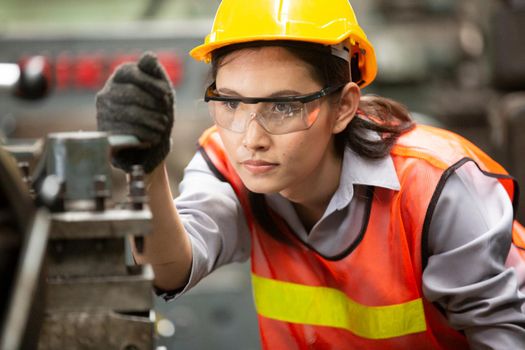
[364, 230]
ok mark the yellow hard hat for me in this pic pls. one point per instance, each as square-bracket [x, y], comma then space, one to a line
[327, 22]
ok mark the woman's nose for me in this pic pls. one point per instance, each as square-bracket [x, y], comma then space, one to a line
[255, 137]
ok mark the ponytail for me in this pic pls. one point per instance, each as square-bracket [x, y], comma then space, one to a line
[378, 123]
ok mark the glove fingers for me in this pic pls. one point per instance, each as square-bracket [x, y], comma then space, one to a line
[149, 64]
[135, 116]
[125, 94]
[129, 73]
[138, 100]
[144, 118]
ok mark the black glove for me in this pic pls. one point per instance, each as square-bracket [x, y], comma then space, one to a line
[138, 100]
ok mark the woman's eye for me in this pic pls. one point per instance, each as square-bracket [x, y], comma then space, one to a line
[284, 108]
[230, 104]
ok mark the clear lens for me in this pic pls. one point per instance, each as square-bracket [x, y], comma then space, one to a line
[275, 117]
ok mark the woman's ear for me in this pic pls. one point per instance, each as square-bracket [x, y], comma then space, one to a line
[347, 107]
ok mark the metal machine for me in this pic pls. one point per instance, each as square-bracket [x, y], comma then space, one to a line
[23, 240]
[91, 298]
[94, 300]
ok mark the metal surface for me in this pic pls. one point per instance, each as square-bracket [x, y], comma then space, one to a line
[26, 283]
[24, 150]
[93, 298]
[118, 142]
[110, 223]
[68, 258]
[104, 330]
[78, 158]
[119, 292]
[22, 247]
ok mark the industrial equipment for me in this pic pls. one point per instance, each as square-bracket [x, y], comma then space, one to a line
[89, 296]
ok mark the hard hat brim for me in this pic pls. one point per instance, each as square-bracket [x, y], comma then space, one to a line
[204, 52]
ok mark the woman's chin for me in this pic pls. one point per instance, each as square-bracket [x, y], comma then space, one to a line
[262, 186]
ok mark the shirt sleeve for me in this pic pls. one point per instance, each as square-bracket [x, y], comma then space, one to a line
[469, 240]
[214, 220]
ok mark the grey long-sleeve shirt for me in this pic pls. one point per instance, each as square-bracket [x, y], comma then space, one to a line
[469, 238]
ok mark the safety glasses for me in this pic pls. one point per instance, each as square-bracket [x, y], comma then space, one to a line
[276, 115]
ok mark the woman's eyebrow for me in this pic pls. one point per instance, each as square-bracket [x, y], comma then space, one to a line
[228, 92]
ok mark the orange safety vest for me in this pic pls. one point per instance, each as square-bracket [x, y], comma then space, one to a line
[371, 297]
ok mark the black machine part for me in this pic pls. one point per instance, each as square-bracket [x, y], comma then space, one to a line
[23, 237]
[28, 79]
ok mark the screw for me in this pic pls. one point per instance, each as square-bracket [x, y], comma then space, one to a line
[101, 192]
[137, 189]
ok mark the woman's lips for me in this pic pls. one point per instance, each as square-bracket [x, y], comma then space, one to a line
[258, 167]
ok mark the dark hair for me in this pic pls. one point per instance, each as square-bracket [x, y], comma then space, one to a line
[375, 116]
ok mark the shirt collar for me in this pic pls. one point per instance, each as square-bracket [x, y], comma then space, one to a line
[358, 170]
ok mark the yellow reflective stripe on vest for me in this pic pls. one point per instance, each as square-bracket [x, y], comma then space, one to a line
[322, 306]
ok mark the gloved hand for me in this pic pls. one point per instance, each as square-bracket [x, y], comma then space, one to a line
[138, 100]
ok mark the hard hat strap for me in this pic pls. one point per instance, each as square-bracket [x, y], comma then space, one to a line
[340, 50]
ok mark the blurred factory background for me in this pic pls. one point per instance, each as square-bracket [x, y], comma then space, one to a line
[459, 64]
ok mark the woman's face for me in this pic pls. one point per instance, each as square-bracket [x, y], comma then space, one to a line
[289, 163]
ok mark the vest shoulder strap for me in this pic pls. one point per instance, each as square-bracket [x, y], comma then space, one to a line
[442, 149]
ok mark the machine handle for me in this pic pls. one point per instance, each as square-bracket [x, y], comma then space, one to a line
[120, 142]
